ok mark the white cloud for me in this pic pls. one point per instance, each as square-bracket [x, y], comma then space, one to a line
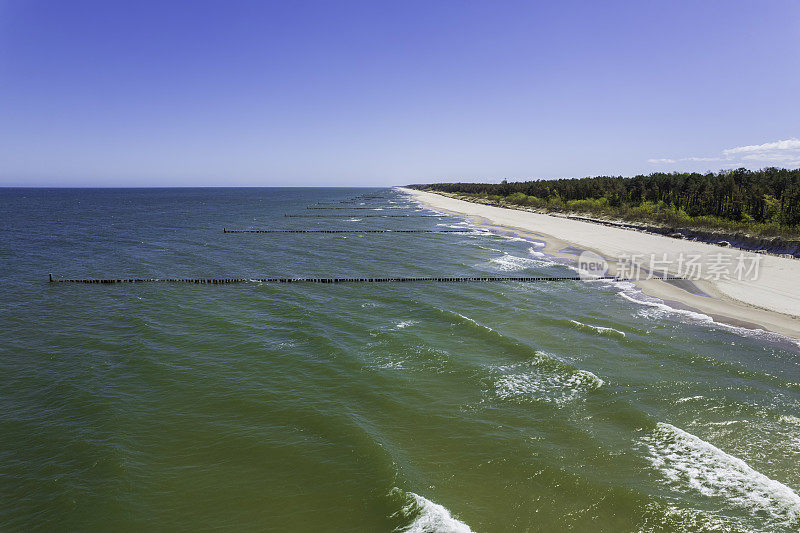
[785, 152]
[701, 159]
[788, 144]
[771, 157]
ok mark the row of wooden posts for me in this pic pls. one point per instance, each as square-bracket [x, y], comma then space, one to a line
[217, 281]
[226, 230]
[472, 279]
[363, 216]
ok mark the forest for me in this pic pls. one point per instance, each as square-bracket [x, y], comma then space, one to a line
[763, 202]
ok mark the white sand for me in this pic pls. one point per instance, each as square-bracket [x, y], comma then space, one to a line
[771, 301]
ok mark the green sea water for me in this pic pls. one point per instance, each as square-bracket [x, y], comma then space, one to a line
[363, 407]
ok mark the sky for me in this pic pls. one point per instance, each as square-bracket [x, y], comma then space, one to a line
[349, 93]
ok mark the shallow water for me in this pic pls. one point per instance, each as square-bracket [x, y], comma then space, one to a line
[367, 407]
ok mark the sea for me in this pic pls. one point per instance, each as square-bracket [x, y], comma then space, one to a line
[375, 407]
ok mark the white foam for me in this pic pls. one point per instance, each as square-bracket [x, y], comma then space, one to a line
[659, 310]
[543, 257]
[394, 365]
[354, 219]
[430, 517]
[658, 304]
[689, 399]
[674, 518]
[599, 330]
[515, 238]
[689, 462]
[538, 384]
[468, 319]
[724, 423]
[789, 419]
[405, 324]
[510, 238]
[510, 263]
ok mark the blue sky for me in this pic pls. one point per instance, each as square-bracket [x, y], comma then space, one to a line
[234, 92]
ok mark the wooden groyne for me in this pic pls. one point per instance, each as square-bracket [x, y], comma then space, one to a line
[358, 215]
[352, 201]
[225, 230]
[220, 281]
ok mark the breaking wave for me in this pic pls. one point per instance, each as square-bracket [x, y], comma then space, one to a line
[540, 377]
[598, 330]
[530, 382]
[512, 263]
[689, 462]
[427, 516]
[657, 309]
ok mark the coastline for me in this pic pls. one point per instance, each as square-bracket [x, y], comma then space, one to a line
[771, 302]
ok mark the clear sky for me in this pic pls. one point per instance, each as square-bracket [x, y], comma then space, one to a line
[233, 92]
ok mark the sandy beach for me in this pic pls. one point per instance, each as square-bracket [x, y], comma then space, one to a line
[769, 301]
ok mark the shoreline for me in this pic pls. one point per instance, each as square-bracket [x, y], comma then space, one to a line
[771, 302]
[779, 246]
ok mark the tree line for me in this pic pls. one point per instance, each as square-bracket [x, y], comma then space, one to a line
[767, 196]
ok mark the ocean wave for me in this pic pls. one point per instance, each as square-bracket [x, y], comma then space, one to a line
[789, 419]
[470, 320]
[512, 263]
[405, 323]
[354, 219]
[724, 423]
[689, 399]
[666, 309]
[598, 330]
[462, 227]
[544, 385]
[509, 344]
[539, 372]
[688, 462]
[510, 238]
[427, 516]
[391, 365]
[658, 309]
[669, 517]
[543, 257]
[411, 358]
